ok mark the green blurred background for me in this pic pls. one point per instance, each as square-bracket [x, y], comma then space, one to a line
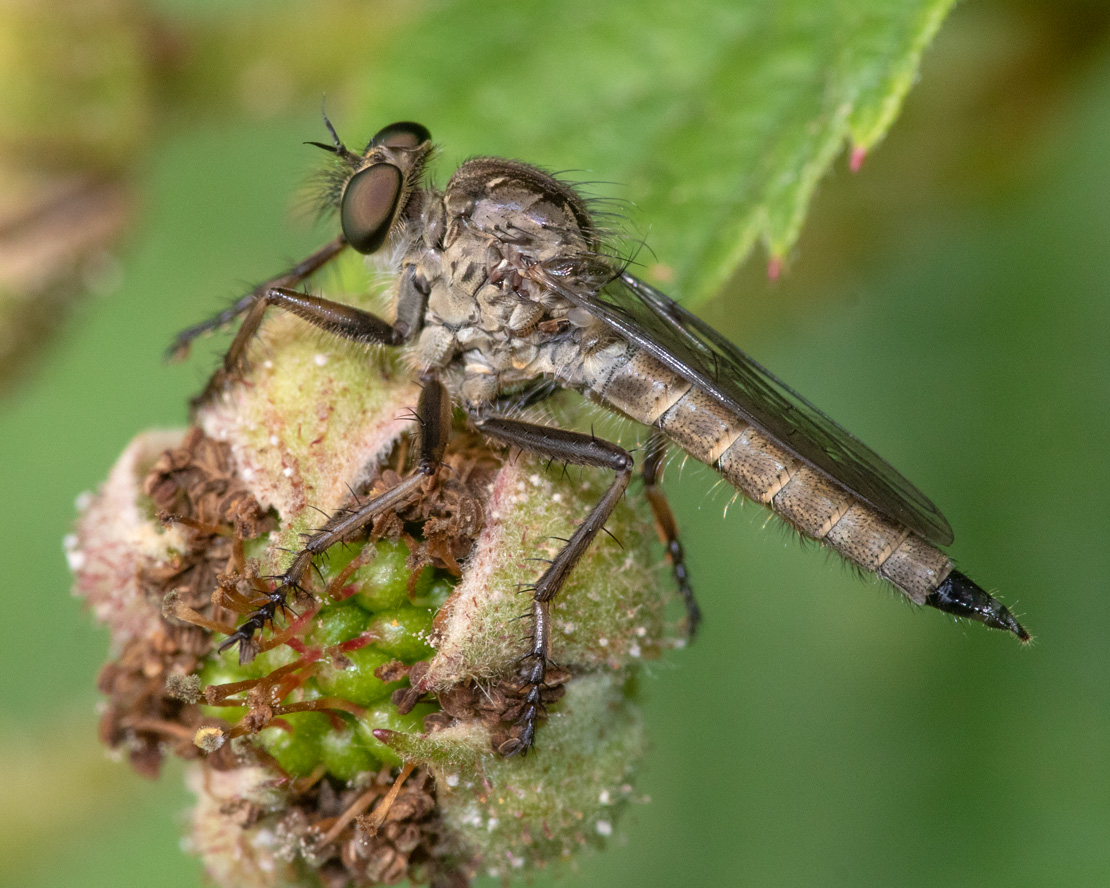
[948, 303]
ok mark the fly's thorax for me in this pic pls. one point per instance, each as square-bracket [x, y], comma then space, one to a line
[640, 387]
[498, 339]
[519, 204]
[485, 313]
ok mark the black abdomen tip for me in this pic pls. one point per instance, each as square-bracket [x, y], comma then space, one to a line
[960, 596]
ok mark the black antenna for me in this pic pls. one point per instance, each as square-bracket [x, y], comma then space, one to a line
[337, 148]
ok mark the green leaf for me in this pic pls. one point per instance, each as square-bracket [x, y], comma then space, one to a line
[717, 119]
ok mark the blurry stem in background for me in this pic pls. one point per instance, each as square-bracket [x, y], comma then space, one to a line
[83, 89]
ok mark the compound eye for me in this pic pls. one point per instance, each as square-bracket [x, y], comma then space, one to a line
[370, 205]
[402, 135]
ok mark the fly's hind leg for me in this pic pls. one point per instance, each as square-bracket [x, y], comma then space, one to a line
[433, 413]
[578, 449]
[668, 529]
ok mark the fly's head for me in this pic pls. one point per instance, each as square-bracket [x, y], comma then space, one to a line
[373, 190]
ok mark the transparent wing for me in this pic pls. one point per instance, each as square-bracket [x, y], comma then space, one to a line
[698, 353]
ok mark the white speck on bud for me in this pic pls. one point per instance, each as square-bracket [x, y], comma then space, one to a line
[320, 360]
[604, 828]
[75, 558]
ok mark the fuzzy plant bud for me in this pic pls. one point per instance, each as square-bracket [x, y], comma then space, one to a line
[359, 738]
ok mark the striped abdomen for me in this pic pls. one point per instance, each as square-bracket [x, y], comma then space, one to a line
[643, 389]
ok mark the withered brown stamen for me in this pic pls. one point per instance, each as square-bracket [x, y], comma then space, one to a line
[363, 802]
[373, 823]
[359, 641]
[321, 704]
[181, 611]
[216, 695]
[228, 596]
[294, 628]
[361, 560]
[304, 784]
[156, 726]
[199, 526]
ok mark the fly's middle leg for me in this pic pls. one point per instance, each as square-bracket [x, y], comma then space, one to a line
[577, 449]
[433, 413]
[668, 530]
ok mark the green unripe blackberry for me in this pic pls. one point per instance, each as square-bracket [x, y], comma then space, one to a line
[400, 662]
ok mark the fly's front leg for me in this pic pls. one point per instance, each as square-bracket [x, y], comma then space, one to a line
[668, 529]
[290, 278]
[434, 416]
[254, 304]
[348, 322]
[344, 321]
[578, 449]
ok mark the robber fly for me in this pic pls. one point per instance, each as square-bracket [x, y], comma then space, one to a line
[503, 294]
